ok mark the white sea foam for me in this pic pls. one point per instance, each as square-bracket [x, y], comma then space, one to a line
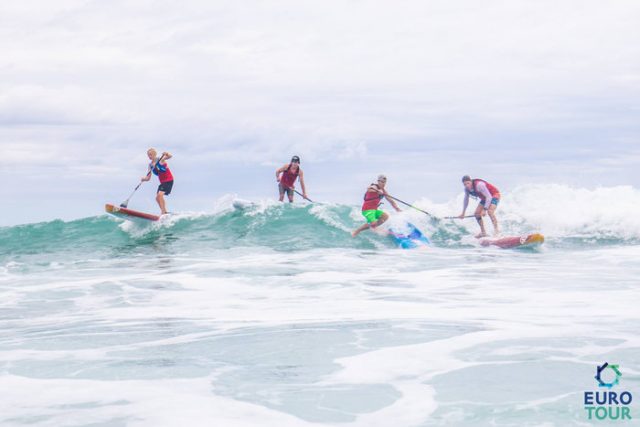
[559, 211]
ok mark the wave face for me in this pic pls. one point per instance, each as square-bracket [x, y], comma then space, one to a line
[567, 216]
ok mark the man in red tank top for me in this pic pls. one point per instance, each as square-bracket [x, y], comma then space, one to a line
[371, 205]
[489, 196]
[159, 167]
[290, 172]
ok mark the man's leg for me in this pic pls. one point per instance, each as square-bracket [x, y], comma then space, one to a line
[494, 220]
[290, 195]
[383, 218]
[281, 190]
[160, 200]
[359, 230]
[478, 215]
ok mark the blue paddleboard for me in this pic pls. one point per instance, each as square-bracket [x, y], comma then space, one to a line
[408, 237]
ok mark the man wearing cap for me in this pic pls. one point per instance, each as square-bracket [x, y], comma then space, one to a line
[290, 172]
[370, 208]
[489, 196]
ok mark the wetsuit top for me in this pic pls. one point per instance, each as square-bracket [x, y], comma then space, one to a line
[372, 198]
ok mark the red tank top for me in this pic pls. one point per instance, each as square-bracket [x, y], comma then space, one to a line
[372, 199]
[288, 178]
[495, 193]
[163, 172]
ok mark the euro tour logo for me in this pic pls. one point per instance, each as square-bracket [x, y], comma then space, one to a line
[608, 404]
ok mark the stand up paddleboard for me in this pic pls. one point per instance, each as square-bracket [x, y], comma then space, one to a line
[408, 237]
[514, 241]
[129, 214]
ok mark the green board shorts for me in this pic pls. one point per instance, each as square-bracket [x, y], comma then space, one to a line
[372, 215]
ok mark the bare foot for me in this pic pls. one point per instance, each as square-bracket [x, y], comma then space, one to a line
[480, 235]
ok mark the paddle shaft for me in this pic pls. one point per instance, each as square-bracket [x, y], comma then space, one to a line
[301, 195]
[425, 212]
[410, 205]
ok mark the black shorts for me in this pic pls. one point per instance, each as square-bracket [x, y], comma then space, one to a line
[165, 187]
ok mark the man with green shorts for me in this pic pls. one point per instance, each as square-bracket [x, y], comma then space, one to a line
[370, 208]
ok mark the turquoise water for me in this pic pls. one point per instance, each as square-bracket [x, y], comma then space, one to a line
[273, 315]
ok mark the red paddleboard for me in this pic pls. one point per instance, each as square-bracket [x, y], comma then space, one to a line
[514, 241]
[129, 213]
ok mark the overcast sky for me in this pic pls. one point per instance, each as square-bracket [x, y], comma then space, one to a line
[425, 91]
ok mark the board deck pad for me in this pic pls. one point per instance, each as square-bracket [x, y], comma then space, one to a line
[514, 241]
[408, 237]
[126, 213]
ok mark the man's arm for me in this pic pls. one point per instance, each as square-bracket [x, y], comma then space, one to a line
[165, 156]
[482, 188]
[279, 171]
[147, 177]
[466, 203]
[391, 201]
[304, 190]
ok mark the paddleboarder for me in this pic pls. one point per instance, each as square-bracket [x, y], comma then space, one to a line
[371, 205]
[160, 168]
[286, 177]
[489, 196]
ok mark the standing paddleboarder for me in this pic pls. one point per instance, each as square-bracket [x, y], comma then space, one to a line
[371, 206]
[286, 177]
[489, 196]
[160, 168]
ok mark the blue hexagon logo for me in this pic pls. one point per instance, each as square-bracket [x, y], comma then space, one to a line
[600, 370]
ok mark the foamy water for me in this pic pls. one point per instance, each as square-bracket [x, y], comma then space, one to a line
[273, 315]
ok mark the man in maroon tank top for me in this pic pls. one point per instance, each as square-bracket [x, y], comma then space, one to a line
[286, 177]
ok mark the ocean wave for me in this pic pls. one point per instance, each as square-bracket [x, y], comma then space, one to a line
[564, 214]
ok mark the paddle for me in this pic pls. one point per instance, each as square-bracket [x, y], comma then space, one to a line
[411, 206]
[126, 202]
[425, 212]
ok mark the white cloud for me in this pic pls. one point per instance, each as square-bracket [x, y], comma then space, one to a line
[218, 81]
